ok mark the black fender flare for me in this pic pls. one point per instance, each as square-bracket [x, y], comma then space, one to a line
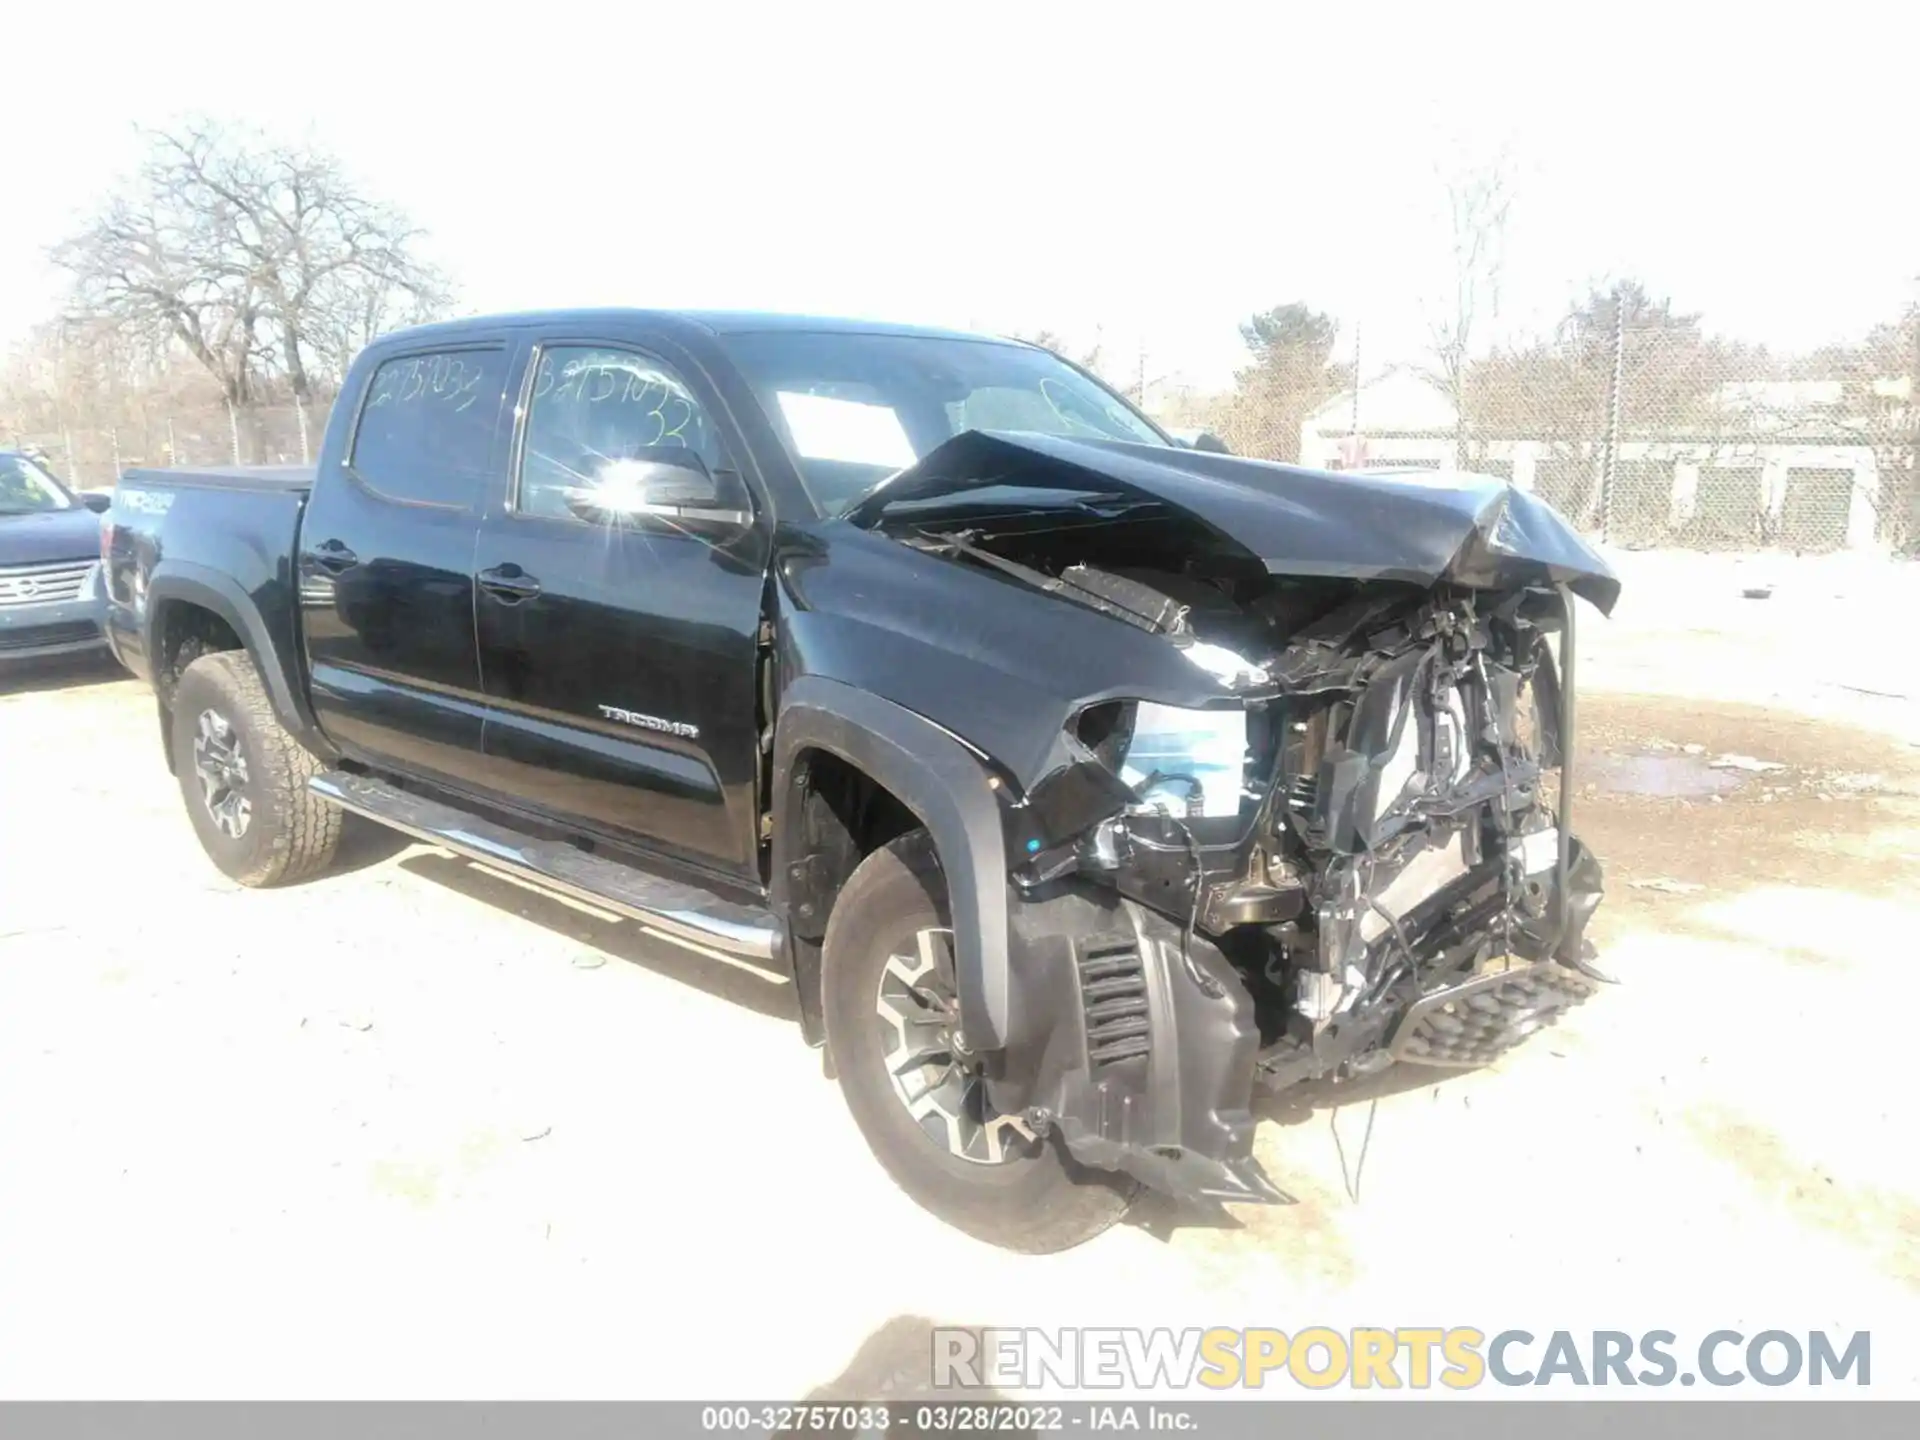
[210, 590]
[945, 785]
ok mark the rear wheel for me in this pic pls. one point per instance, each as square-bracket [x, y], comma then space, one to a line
[913, 1083]
[244, 779]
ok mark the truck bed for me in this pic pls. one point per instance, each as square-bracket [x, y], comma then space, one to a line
[229, 536]
[296, 478]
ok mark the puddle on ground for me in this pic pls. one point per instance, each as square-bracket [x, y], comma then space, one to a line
[1681, 775]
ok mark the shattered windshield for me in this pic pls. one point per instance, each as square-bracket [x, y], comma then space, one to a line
[26, 489]
[854, 408]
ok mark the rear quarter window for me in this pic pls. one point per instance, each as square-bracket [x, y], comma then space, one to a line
[425, 434]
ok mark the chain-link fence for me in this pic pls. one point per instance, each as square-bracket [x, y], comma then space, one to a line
[1643, 435]
[93, 457]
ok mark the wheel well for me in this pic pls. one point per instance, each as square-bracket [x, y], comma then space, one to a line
[182, 633]
[844, 816]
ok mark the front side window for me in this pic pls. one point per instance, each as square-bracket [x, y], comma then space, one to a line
[26, 489]
[426, 429]
[592, 407]
[853, 407]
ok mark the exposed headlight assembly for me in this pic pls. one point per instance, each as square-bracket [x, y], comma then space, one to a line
[1192, 761]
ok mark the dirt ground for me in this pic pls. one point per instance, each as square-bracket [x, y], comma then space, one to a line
[415, 1131]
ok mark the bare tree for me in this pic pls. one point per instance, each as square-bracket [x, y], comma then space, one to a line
[1479, 198]
[264, 261]
[154, 265]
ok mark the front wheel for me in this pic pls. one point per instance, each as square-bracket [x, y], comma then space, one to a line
[244, 778]
[915, 1087]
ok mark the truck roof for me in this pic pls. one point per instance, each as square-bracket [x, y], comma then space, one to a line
[714, 322]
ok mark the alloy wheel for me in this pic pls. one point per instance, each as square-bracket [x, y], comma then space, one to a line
[220, 761]
[933, 1072]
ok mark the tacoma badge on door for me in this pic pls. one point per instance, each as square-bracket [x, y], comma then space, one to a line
[651, 722]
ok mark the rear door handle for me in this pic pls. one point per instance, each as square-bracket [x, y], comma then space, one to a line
[509, 583]
[333, 555]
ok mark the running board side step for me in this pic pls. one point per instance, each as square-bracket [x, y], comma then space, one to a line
[683, 911]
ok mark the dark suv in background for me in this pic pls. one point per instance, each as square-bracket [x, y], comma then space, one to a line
[51, 602]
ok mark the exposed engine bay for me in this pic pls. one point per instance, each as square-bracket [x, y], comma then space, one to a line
[1280, 762]
[1364, 825]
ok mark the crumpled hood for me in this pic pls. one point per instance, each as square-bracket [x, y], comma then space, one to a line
[1473, 530]
[52, 535]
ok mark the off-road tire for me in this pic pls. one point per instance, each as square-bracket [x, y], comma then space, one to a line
[291, 834]
[1037, 1203]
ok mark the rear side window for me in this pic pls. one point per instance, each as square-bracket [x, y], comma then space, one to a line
[426, 430]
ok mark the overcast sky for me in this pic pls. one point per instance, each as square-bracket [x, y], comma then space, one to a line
[1159, 172]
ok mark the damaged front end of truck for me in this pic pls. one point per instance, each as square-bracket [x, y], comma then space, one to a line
[1338, 842]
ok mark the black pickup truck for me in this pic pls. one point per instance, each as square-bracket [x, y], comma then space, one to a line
[1081, 781]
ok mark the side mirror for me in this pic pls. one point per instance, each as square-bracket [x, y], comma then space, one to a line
[1211, 443]
[667, 483]
[98, 504]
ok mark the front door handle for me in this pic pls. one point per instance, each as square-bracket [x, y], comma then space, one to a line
[509, 583]
[332, 555]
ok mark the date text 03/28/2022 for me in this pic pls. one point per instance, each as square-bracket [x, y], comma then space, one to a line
[944, 1417]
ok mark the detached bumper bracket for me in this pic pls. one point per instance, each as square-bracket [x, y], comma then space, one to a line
[1477, 1021]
